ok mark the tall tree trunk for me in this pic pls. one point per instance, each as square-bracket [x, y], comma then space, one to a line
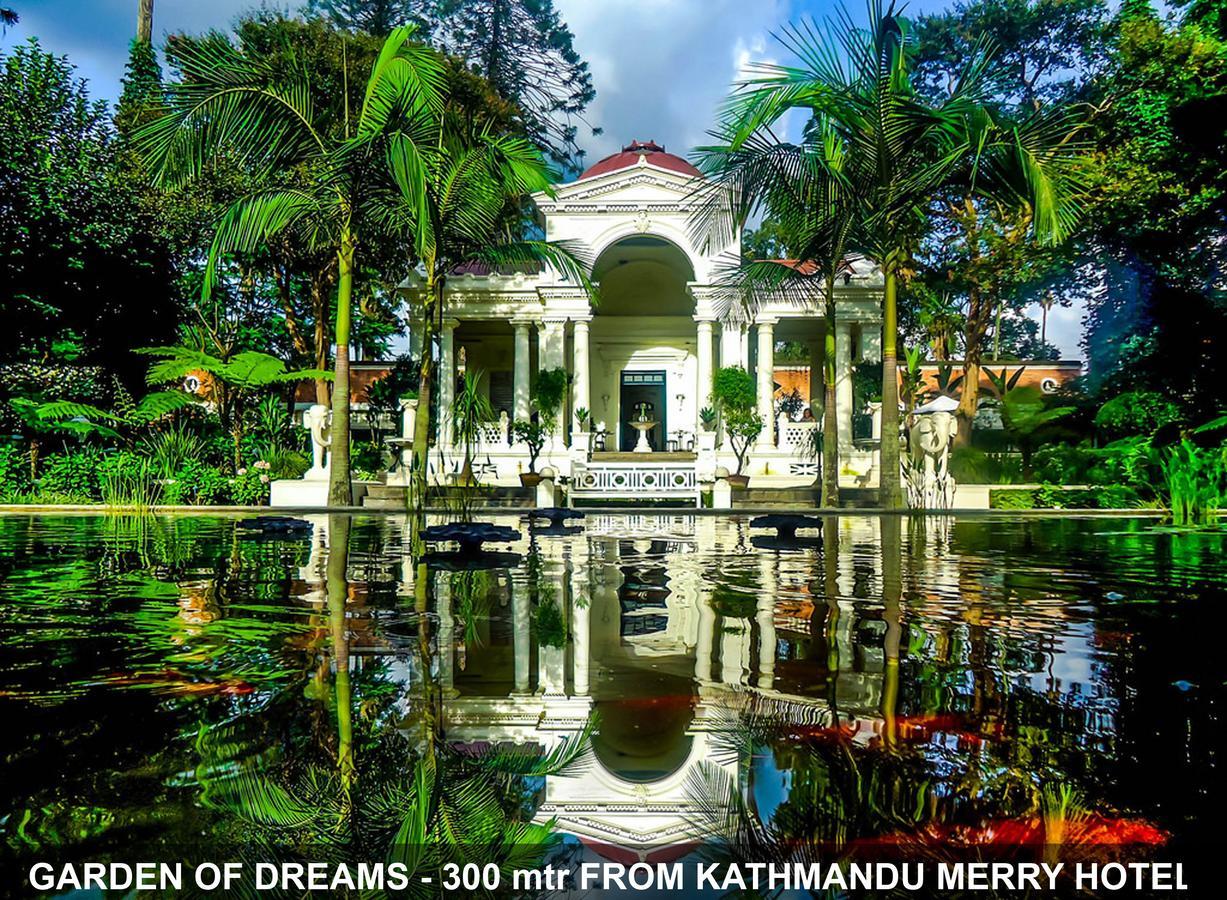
[973, 340]
[144, 21]
[319, 311]
[976, 326]
[890, 491]
[892, 615]
[830, 421]
[421, 427]
[340, 491]
[337, 581]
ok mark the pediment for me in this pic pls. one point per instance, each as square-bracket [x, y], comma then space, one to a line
[636, 184]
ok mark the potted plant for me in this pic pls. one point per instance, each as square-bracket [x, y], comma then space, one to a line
[532, 433]
[707, 430]
[549, 393]
[742, 426]
[733, 394]
[582, 436]
[470, 411]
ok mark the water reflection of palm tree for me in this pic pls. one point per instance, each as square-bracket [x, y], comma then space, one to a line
[421, 802]
[838, 792]
[892, 595]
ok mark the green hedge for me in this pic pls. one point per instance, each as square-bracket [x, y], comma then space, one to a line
[1050, 496]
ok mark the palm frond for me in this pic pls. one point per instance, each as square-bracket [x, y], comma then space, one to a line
[252, 221]
[407, 79]
[161, 403]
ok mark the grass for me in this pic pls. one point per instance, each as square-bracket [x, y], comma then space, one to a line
[1194, 483]
[130, 487]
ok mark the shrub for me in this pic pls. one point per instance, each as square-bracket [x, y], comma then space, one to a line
[169, 450]
[533, 435]
[1127, 461]
[549, 391]
[1194, 483]
[972, 465]
[14, 472]
[196, 484]
[287, 464]
[251, 486]
[733, 392]
[1050, 496]
[1117, 496]
[71, 477]
[733, 388]
[548, 625]
[1136, 413]
[1063, 463]
[367, 456]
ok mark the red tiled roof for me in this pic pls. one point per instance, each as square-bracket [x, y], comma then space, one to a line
[801, 266]
[629, 157]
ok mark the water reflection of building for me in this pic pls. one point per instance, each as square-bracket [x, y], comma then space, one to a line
[670, 628]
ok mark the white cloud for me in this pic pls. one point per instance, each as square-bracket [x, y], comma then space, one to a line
[661, 67]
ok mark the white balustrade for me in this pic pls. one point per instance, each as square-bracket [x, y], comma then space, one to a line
[635, 480]
[495, 436]
[797, 435]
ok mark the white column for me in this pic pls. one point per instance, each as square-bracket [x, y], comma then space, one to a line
[521, 377]
[765, 619]
[447, 380]
[416, 326]
[704, 642]
[843, 386]
[704, 356]
[553, 334]
[580, 630]
[550, 355]
[732, 345]
[765, 366]
[580, 371]
[734, 654]
[446, 637]
[521, 628]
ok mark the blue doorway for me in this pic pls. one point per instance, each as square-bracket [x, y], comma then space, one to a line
[646, 388]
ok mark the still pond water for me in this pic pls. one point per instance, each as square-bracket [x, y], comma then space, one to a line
[176, 688]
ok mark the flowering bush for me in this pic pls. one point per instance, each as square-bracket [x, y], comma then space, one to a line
[250, 486]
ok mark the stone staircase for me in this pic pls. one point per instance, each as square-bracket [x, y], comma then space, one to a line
[802, 498]
[776, 498]
[396, 497]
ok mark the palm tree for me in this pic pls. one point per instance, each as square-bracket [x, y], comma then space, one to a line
[144, 21]
[231, 103]
[461, 186]
[805, 187]
[901, 152]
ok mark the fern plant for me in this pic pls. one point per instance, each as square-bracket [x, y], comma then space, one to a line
[235, 385]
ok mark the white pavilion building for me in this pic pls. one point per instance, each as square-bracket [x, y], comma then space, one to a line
[652, 335]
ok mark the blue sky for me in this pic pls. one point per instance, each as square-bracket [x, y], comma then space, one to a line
[660, 67]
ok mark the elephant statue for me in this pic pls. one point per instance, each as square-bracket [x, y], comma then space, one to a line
[929, 482]
[318, 420]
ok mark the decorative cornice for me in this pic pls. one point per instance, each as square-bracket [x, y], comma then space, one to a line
[581, 190]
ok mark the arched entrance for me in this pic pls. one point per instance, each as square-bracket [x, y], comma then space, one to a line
[643, 343]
